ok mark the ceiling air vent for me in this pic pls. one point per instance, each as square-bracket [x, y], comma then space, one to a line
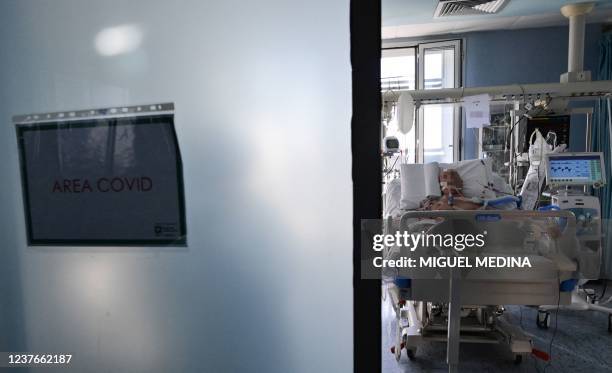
[448, 8]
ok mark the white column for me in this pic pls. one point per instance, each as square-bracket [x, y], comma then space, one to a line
[577, 20]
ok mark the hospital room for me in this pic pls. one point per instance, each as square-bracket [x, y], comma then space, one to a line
[289, 186]
[495, 124]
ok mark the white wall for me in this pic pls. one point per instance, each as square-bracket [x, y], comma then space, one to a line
[262, 94]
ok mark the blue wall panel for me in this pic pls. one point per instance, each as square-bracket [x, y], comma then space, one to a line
[525, 56]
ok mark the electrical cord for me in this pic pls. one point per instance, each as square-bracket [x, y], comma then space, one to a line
[486, 187]
[552, 339]
[535, 363]
[392, 166]
[605, 288]
[603, 293]
[510, 133]
[512, 151]
[606, 301]
[517, 122]
[537, 204]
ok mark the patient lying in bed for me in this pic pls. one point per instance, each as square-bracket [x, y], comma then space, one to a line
[452, 197]
[464, 185]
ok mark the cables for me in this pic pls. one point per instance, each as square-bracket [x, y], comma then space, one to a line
[512, 152]
[510, 133]
[493, 189]
[521, 117]
[550, 345]
[392, 166]
[603, 293]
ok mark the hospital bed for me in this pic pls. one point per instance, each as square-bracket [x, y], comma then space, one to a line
[467, 304]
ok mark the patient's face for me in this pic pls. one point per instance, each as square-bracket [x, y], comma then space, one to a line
[450, 181]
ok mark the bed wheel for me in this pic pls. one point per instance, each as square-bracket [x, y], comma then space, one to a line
[411, 352]
[518, 359]
[543, 320]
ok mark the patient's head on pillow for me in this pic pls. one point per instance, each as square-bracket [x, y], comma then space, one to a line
[450, 182]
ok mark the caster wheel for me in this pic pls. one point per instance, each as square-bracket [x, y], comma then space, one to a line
[411, 352]
[518, 359]
[543, 320]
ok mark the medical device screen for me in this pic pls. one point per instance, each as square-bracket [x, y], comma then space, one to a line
[558, 124]
[575, 169]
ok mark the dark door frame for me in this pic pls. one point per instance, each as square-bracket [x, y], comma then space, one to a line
[365, 18]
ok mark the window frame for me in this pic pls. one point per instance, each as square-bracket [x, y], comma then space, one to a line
[415, 49]
[420, 48]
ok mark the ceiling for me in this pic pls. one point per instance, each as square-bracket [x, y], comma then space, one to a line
[414, 18]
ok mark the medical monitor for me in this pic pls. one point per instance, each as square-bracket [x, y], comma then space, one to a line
[575, 169]
[391, 145]
[557, 124]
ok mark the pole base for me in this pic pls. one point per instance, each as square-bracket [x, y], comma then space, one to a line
[576, 76]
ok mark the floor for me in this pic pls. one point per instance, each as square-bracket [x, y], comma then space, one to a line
[581, 344]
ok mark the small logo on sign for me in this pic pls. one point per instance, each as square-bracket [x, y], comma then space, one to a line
[166, 230]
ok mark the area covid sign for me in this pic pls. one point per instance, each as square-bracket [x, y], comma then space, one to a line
[93, 178]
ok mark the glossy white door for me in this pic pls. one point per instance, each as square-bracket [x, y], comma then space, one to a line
[262, 96]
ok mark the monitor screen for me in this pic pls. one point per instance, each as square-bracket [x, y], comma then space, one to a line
[575, 169]
[558, 124]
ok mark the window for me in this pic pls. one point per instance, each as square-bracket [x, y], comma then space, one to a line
[426, 66]
[438, 124]
[398, 68]
[398, 72]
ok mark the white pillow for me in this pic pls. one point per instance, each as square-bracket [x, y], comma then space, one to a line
[393, 194]
[477, 176]
[500, 185]
[418, 181]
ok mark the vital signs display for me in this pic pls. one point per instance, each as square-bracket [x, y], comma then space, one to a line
[102, 180]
